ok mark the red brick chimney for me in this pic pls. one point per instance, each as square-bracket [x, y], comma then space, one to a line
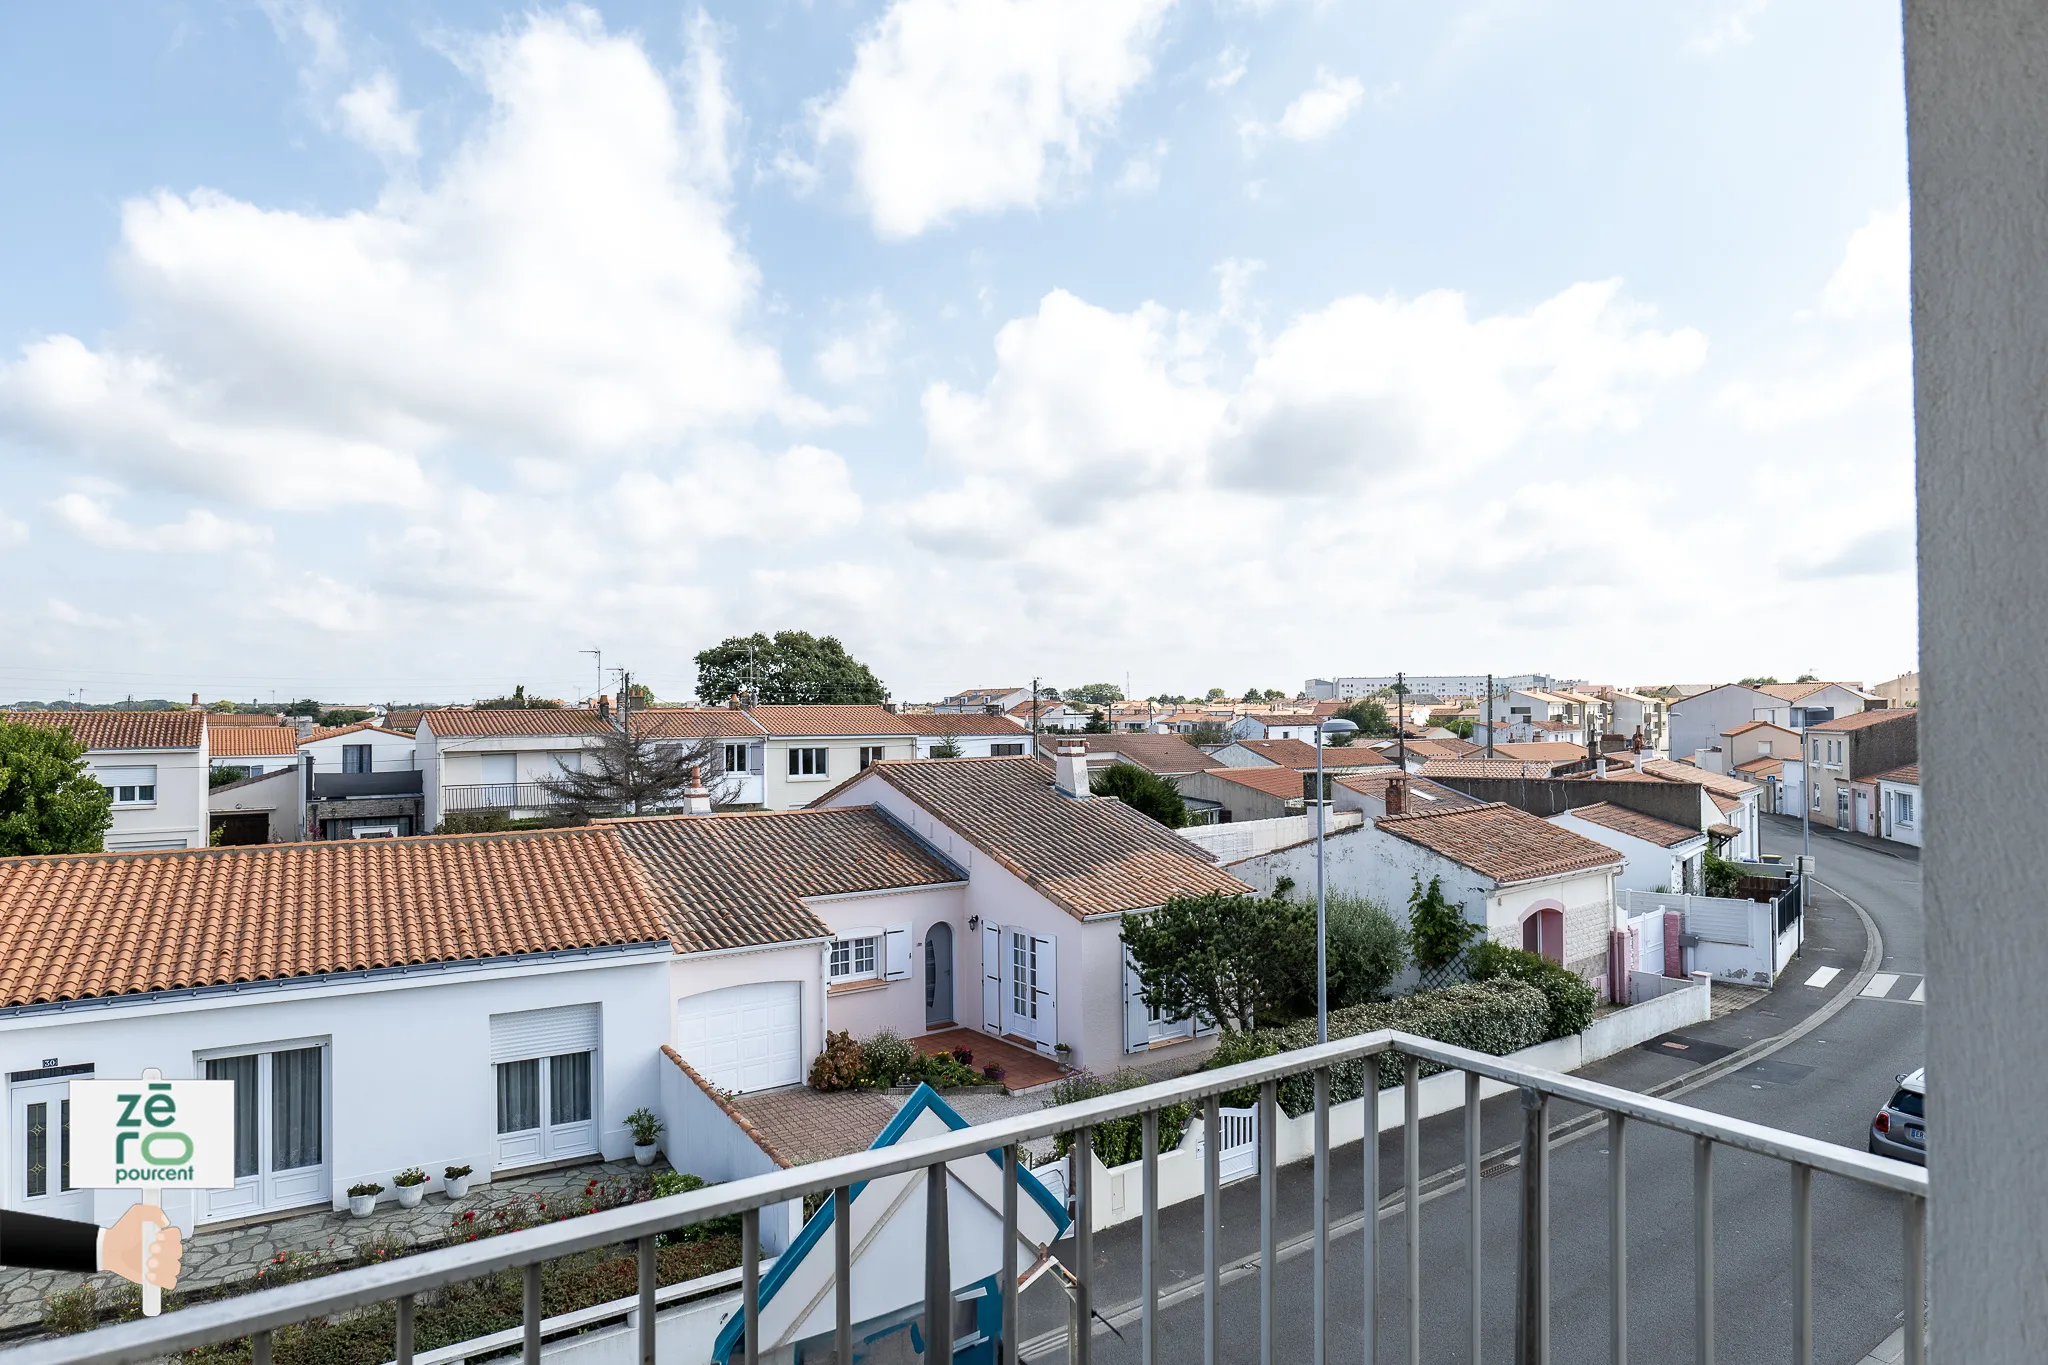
[1397, 796]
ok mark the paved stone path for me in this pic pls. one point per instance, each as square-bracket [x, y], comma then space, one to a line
[214, 1257]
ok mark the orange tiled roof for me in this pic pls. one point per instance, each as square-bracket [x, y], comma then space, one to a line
[958, 723]
[1763, 766]
[216, 720]
[107, 924]
[98, 730]
[1090, 857]
[1541, 751]
[1485, 767]
[797, 721]
[1501, 842]
[1862, 720]
[738, 881]
[1282, 782]
[321, 732]
[1622, 820]
[1909, 773]
[545, 720]
[251, 741]
[695, 722]
[1423, 792]
[1288, 753]
[1717, 783]
[1154, 753]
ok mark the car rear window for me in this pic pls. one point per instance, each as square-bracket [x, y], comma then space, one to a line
[1910, 1104]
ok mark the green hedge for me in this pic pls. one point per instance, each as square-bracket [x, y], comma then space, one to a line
[1495, 1017]
[1569, 998]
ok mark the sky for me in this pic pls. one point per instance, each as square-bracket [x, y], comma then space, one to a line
[405, 351]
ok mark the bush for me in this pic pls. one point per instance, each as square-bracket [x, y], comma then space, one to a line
[1437, 929]
[682, 1182]
[71, 1311]
[838, 1067]
[410, 1176]
[1494, 1017]
[645, 1125]
[886, 1059]
[944, 1071]
[1367, 950]
[1120, 1141]
[1569, 998]
[362, 1188]
[964, 1056]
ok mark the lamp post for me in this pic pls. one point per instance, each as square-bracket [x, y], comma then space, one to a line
[1328, 727]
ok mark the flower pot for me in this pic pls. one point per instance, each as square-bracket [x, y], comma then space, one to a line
[409, 1196]
[643, 1152]
[362, 1205]
[457, 1187]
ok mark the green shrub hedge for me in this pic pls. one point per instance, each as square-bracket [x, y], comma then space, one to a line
[1569, 998]
[1495, 1017]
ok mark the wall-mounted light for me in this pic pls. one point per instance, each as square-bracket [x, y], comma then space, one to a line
[973, 923]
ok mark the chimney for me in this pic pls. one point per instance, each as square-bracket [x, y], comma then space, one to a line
[1070, 767]
[305, 727]
[894, 708]
[696, 800]
[732, 703]
[604, 707]
[1397, 796]
[1640, 756]
[1602, 768]
[195, 701]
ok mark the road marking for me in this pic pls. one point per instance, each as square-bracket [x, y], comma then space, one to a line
[1823, 976]
[1880, 985]
[1919, 995]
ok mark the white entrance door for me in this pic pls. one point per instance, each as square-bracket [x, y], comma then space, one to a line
[992, 977]
[41, 1110]
[1032, 1006]
[546, 1084]
[280, 1130]
[744, 1038]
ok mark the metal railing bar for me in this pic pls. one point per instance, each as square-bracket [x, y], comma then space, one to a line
[1617, 1238]
[1369, 1220]
[1269, 1196]
[1532, 1315]
[1916, 1281]
[1475, 1237]
[259, 1349]
[1083, 1166]
[842, 1271]
[1211, 1212]
[1319, 1347]
[750, 1286]
[1148, 1240]
[530, 1315]
[648, 1306]
[405, 1330]
[1703, 1249]
[1006, 1354]
[938, 1266]
[204, 1324]
[1411, 1199]
[1802, 1265]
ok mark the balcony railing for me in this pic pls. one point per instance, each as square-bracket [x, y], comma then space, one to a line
[345, 786]
[496, 796]
[258, 1315]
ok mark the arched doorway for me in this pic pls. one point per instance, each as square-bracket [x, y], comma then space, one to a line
[1543, 931]
[938, 975]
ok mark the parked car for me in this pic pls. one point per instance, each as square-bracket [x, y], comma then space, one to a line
[1900, 1129]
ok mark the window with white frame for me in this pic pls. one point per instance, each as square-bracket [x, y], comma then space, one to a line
[736, 757]
[871, 753]
[855, 959]
[1005, 751]
[1902, 808]
[1763, 748]
[355, 758]
[130, 786]
[808, 762]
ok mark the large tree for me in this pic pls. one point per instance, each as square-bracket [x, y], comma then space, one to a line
[1215, 957]
[49, 800]
[1142, 791]
[792, 668]
[1369, 716]
[518, 701]
[1095, 694]
[629, 774]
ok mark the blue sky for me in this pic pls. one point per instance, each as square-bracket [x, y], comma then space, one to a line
[404, 351]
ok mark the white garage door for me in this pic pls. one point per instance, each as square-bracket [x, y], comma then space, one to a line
[744, 1037]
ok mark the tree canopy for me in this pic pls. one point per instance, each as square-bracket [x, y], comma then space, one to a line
[1757, 682]
[630, 774]
[1142, 791]
[1095, 694]
[791, 668]
[1098, 723]
[1369, 716]
[518, 701]
[49, 800]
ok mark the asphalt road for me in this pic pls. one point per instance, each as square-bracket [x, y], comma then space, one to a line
[1825, 1082]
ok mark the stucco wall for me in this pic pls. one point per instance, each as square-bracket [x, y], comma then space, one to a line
[178, 816]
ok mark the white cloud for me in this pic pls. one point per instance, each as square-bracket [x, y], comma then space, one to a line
[13, 533]
[862, 351]
[1730, 27]
[1140, 174]
[373, 115]
[567, 289]
[1322, 108]
[1872, 279]
[1230, 68]
[201, 531]
[957, 107]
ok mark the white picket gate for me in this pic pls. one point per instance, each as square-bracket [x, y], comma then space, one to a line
[1237, 1152]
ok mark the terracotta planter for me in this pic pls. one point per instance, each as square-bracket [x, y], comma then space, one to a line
[644, 1152]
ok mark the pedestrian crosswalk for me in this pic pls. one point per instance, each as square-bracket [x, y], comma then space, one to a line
[1901, 986]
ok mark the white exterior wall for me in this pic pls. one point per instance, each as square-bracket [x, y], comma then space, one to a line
[865, 1006]
[1649, 865]
[389, 753]
[1893, 829]
[780, 791]
[408, 1071]
[1698, 722]
[281, 794]
[971, 746]
[178, 816]
[803, 963]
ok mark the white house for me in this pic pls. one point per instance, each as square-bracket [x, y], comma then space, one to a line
[1286, 725]
[1898, 802]
[268, 808]
[251, 750]
[1698, 721]
[363, 782]
[980, 700]
[1530, 884]
[155, 764]
[976, 734]
[1050, 874]
[1661, 856]
[477, 760]
[1728, 804]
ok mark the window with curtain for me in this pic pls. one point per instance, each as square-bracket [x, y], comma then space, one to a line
[242, 1071]
[519, 1095]
[295, 1109]
[355, 758]
[569, 1088]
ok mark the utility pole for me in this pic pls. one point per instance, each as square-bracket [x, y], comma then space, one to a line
[1489, 715]
[1035, 703]
[1401, 715]
[625, 724]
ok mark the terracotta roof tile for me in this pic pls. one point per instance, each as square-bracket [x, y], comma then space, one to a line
[1541, 751]
[1909, 773]
[102, 730]
[251, 741]
[1622, 820]
[1720, 784]
[1281, 782]
[1485, 767]
[695, 722]
[1501, 842]
[1155, 753]
[319, 733]
[1762, 767]
[1862, 720]
[543, 720]
[1749, 725]
[106, 924]
[216, 720]
[1724, 831]
[1426, 795]
[1093, 856]
[958, 723]
[829, 720]
[738, 881]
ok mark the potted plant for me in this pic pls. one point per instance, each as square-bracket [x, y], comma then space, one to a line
[362, 1199]
[1064, 1052]
[412, 1186]
[456, 1181]
[645, 1128]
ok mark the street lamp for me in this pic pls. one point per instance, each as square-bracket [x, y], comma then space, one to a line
[1333, 726]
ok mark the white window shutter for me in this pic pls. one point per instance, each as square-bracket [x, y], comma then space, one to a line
[896, 951]
[1137, 1019]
